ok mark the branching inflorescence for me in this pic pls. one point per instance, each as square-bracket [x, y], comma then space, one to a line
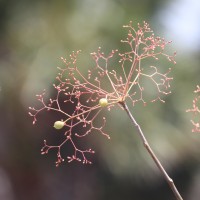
[196, 111]
[89, 95]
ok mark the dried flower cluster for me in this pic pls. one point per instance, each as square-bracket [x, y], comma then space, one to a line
[106, 85]
[196, 111]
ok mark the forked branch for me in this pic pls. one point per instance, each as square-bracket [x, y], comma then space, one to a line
[107, 84]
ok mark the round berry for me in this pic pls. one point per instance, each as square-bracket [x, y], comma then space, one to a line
[103, 102]
[59, 124]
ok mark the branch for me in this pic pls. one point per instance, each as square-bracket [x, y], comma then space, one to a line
[152, 154]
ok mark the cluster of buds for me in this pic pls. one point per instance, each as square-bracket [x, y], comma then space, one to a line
[196, 111]
[106, 85]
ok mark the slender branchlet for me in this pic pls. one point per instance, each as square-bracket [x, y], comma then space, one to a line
[106, 85]
[151, 152]
[196, 111]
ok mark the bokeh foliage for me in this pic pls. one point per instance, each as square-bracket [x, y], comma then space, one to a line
[34, 35]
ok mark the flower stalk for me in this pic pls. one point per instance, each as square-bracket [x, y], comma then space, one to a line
[107, 85]
[150, 151]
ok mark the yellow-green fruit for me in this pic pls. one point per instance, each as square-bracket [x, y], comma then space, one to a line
[59, 124]
[103, 102]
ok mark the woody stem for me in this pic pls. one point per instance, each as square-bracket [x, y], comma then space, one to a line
[150, 151]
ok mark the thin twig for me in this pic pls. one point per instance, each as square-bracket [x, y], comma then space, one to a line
[152, 154]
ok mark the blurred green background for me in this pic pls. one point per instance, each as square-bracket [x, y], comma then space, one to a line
[33, 37]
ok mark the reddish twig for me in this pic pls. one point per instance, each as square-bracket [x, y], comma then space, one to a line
[152, 154]
[196, 111]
